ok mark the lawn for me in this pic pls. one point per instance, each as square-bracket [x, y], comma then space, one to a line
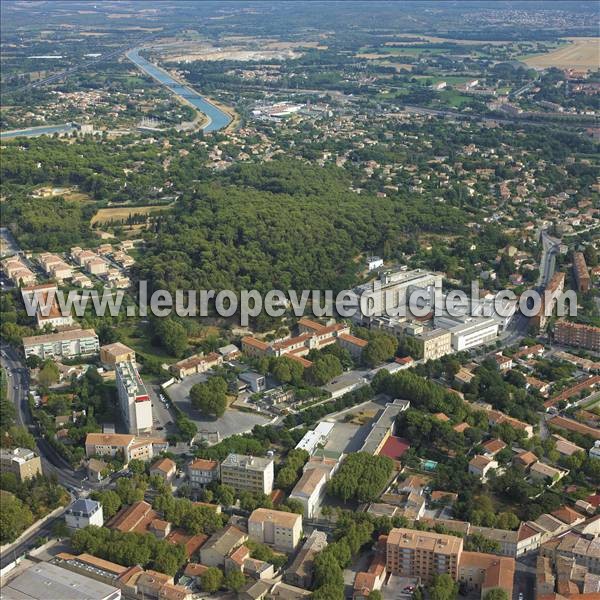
[452, 98]
[138, 337]
[449, 79]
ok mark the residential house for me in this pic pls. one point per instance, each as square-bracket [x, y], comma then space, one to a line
[84, 512]
[164, 468]
[202, 472]
[479, 572]
[492, 447]
[220, 545]
[113, 354]
[198, 363]
[301, 571]
[525, 459]
[542, 472]
[481, 465]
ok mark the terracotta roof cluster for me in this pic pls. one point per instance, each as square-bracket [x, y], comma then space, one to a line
[571, 425]
[573, 391]
[136, 517]
[529, 351]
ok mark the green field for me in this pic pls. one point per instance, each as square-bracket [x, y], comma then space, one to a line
[452, 98]
[450, 79]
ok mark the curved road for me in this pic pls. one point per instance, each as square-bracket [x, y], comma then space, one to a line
[17, 392]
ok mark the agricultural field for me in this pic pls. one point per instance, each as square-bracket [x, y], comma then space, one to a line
[580, 54]
[106, 215]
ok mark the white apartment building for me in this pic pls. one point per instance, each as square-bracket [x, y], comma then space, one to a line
[55, 266]
[468, 332]
[248, 473]
[134, 400]
[310, 490]
[65, 344]
[17, 271]
[280, 529]
[24, 463]
[84, 512]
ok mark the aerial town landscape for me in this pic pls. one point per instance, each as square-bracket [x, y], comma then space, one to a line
[299, 300]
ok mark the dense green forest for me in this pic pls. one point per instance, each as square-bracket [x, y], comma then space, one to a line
[282, 225]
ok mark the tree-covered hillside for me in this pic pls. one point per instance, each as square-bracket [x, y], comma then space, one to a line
[281, 225]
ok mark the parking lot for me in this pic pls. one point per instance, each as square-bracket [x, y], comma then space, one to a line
[399, 588]
[231, 423]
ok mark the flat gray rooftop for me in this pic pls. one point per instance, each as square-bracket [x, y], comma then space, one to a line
[45, 580]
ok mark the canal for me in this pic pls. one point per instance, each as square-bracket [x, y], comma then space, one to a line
[35, 131]
[217, 119]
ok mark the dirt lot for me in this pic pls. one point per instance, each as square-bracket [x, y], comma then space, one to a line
[580, 54]
[244, 49]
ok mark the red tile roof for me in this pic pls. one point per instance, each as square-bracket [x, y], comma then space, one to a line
[201, 464]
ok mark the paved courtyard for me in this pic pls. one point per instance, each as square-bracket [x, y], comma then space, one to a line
[233, 422]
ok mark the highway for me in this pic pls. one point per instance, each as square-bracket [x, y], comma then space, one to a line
[88, 63]
[419, 110]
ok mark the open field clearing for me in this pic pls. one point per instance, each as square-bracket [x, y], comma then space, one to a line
[438, 40]
[105, 215]
[581, 54]
[76, 196]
